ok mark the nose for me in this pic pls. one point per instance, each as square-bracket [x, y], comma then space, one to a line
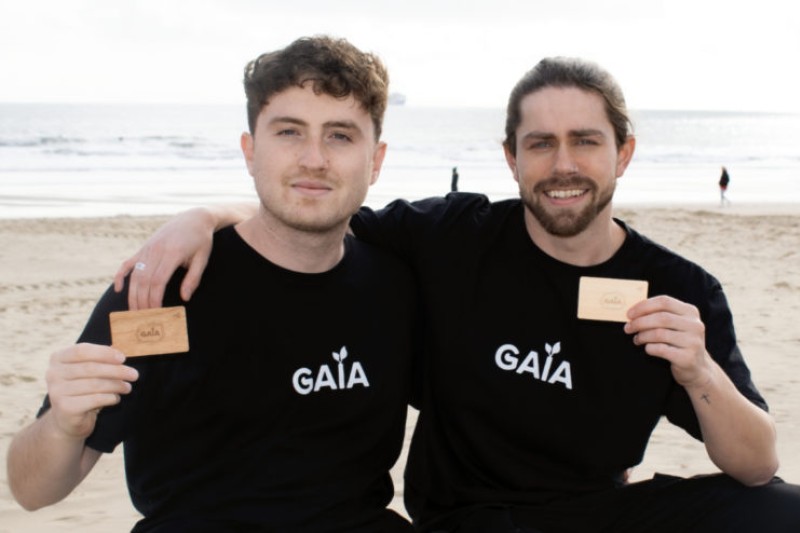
[313, 155]
[565, 162]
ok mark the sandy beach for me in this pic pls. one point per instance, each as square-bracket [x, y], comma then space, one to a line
[53, 271]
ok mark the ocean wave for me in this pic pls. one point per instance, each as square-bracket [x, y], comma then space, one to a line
[35, 142]
[81, 151]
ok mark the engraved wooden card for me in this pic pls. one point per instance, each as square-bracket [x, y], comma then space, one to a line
[150, 331]
[608, 298]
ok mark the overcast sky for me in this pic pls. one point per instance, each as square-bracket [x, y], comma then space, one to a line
[671, 54]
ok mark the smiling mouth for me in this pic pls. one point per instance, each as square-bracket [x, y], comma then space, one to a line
[565, 194]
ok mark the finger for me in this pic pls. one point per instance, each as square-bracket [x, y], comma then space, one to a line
[91, 370]
[76, 407]
[80, 406]
[665, 351]
[193, 275]
[124, 269]
[664, 336]
[88, 360]
[654, 320]
[138, 292]
[97, 401]
[64, 395]
[157, 285]
[661, 303]
[150, 282]
[87, 386]
[85, 351]
[689, 325]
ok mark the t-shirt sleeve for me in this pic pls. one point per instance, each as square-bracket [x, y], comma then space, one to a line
[408, 229]
[397, 227]
[722, 344]
[116, 422]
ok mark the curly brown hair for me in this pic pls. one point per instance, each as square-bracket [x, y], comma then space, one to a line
[333, 67]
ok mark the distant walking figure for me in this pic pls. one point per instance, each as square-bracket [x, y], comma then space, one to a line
[454, 180]
[724, 180]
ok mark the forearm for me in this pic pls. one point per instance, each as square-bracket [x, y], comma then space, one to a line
[45, 465]
[739, 436]
[228, 214]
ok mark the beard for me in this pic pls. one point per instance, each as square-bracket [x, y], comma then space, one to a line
[308, 214]
[567, 222]
[311, 218]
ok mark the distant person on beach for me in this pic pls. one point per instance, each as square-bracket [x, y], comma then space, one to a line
[724, 180]
[454, 180]
[288, 411]
[539, 396]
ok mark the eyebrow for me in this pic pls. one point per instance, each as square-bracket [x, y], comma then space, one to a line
[587, 132]
[341, 124]
[584, 132]
[287, 120]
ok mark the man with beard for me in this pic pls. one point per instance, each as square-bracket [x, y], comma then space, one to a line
[531, 415]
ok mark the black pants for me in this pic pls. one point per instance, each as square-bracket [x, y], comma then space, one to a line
[390, 522]
[664, 504]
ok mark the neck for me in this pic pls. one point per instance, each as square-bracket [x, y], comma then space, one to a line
[296, 250]
[594, 245]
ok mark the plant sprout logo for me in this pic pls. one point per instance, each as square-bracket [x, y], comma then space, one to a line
[306, 381]
[507, 357]
[151, 332]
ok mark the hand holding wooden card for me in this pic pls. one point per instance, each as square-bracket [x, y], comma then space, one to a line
[608, 298]
[150, 331]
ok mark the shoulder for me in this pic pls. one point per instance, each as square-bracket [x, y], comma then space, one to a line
[229, 250]
[362, 255]
[226, 239]
[421, 228]
[669, 271]
[456, 210]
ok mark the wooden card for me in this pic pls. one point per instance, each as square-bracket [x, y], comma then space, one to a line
[150, 331]
[608, 298]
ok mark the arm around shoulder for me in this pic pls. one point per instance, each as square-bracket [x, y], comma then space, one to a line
[184, 240]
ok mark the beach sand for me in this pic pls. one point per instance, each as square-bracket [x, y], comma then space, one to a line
[55, 269]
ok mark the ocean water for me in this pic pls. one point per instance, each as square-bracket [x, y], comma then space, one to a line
[95, 160]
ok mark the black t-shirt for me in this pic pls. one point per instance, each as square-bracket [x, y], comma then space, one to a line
[289, 409]
[524, 402]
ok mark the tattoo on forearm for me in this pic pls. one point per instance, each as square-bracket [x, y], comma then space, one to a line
[706, 398]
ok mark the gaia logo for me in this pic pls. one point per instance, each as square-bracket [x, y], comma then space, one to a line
[612, 300]
[507, 357]
[151, 332]
[306, 381]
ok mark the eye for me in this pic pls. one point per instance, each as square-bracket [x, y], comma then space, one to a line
[341, 136]
[586, 141]
[287, 132]
[539, 145]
